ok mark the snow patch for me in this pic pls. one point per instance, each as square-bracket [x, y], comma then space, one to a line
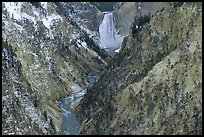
[192, 47]
[20, 28]
[92, 34]
[118, 50]
[32, 53]
[17, 93]
[78, 43]
[75, 88]
[84, 45]
[36, 13]
[25, 15]
[44, 5]
[14, 9]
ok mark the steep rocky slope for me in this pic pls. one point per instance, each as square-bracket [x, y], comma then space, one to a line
[154, 85]
[123, 22]
[20, 101]
[84, 14]
[45, 56]
[132, 9]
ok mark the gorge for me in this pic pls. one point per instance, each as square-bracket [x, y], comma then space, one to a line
[70, 123]
[101, 68]
[110, 41]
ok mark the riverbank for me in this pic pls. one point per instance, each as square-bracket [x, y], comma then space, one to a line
[70, 123]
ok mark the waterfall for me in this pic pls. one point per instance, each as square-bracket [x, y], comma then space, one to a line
[109, 39]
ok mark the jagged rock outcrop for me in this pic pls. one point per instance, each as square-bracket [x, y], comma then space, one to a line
[46, 56]
[154, 85]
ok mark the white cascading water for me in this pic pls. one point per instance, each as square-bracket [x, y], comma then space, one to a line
[109, 39]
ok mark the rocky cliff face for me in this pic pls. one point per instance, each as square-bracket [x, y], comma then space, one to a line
[84, 14]
[123, 22]
[154, 85]
[20, 113]
[133, 9]
[45, 56]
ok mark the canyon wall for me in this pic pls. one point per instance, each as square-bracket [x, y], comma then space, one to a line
[154, 84]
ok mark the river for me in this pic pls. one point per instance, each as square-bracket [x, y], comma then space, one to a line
[110, 40]
[70, 123]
